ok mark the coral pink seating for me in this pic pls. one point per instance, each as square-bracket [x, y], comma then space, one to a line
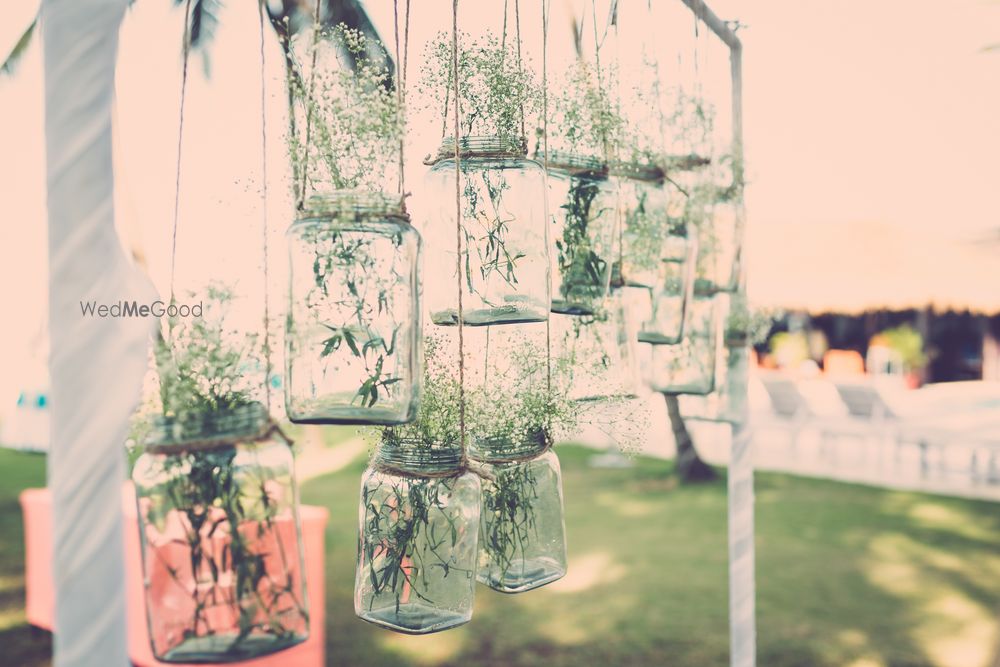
[36, 505]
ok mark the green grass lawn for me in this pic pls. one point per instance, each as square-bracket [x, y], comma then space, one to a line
[847, 576]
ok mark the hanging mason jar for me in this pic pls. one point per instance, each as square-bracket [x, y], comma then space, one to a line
[719, 221]
[522, 542]
[729, 400]
[353, 326]
[646, 224]
[743, 326]
[662, 314]
[417, 538]
[585, 219]
[504, 277]
[221, 548]
[599, 353]
[689, 366]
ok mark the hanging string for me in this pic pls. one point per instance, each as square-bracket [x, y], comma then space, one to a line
[180, 144]
[545, 162]
[268, 367]
[600, 82]
[400, 92]
[520, 67]
[309, 103]
[458, 236]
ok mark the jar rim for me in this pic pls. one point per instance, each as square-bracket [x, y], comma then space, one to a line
[354, 204]
[504, 448]
[416, 455]
[207, 430]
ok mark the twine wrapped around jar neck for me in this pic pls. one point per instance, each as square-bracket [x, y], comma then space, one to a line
[480, 146]
[414, 458]
[502, 449]
[212, 430]
[354, 204]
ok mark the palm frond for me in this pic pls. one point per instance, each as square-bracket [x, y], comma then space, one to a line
[204, 20]
[20, 48]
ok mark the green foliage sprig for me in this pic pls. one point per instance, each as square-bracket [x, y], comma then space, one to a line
[348, 120]
[585, 118]
[202, 364]
[498, 91]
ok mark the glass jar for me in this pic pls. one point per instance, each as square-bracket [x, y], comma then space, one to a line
[647, 226]
[504, 259]
[663, 316]
[598, 353]
[522, 543]
[728, 403]
[352, 339]
[689, 366]
[221, 547]
[584, 228]
[720, 232]
[417, 539]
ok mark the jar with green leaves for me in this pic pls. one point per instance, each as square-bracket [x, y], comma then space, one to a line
[717, 214]
[221, 549]
[601, 350]
[662, 311]
[417, 538]
[522, 542]
[419, 513]
[217, 500]
[502, 266]
[504, 258]
[689, 367]
[646, 223]
[353, 327]
[583, 235]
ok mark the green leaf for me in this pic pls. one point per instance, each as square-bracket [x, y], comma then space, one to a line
[14, 57]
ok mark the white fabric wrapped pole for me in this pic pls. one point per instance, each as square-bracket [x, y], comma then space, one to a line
[742, 608]
[96, 364]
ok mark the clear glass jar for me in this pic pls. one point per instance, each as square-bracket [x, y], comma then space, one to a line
[720, 231]
[728, 403]
[585, 220]
[417, 539]
[598, 353]
[352, 339]
[522, 542]
[505, 275]
[221, 546]
[647, 226]
[689, 366]
[663, 315]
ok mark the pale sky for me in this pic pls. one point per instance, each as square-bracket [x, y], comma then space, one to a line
[878, 116]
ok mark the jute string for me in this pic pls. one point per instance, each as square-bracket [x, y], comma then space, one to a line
[268, 366]
[180, 144]
[400, 89]
[458, 237]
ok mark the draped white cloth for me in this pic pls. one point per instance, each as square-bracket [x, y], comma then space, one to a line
[96, 364]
